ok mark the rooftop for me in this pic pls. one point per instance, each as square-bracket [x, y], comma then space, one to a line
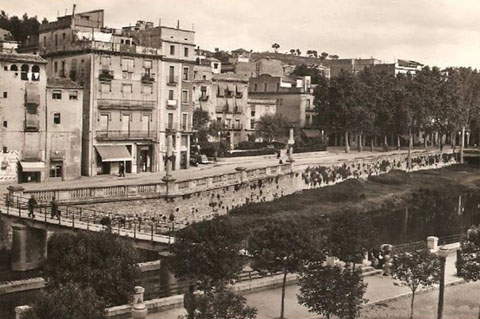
[19, 58]
[62, 83]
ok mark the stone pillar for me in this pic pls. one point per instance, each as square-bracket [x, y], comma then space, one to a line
[365, 260]
[29, 247]
[22, 312]
[14, 192]
[167, 279]
[243, 173]
[432, 243]
[139, 309]
[291, 141]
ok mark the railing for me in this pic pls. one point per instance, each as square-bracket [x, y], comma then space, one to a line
[32, 125]
[32, 99]
[147, 78]
[233, 126]
[172, 103]
[172, 80]
[116, 47]
[125, 103]
[203, 98]
[131, 226]
[121, 135]
[106, 75]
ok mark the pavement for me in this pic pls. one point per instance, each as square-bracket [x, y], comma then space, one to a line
[223, 166]
[380, 288]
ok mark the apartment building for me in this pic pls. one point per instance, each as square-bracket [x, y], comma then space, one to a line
[137, 89]
[255, 110]
[39, 129]
[294, 99]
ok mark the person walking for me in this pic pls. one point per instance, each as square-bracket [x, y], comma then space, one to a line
[54, 208]
[32, 203]
[121, 170]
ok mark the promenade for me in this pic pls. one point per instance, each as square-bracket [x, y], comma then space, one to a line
[380, 288]
[223, 166]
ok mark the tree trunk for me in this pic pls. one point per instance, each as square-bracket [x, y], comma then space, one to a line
[336, 140]
[359, 143]
[409, 157]
[284, 283]
[347, 146]
[385, 143]
[424, 140]
[453, 140]
[372, 142]
[462, 144]
[411, 304]
[398, 142]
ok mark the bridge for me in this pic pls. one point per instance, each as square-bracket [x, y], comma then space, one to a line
[30, 233]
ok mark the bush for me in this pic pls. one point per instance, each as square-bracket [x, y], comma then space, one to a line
[394, 177]
[208, 149]
[313, 148]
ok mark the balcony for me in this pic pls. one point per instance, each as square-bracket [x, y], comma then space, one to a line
[203, 98]
[172, 80]
[172, 104]
[147, 78]
[106, 75]
[229, 109]
[239, 95]
[124, 104]
[232, 126]
[179, 127]
[32, 99]
[32, 125]
[125, 135]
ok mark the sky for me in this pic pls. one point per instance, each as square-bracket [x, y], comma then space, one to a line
[433, 32]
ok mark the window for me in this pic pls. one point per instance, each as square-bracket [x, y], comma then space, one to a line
[172, 50]
[5, 149]
[56, 40]
[56, 169]
[35, 73]
[14, 68]
[63, 36]
[62, 70]
[204, 77]
[184, 96]
[44, 41]
[73, 95]
[308, 104]
[184, 121]
[55, 67]
[255, 87]
[5, 123]
[127, 88]
[185, 74]
[195, 73]
[219, 119]
[56, 118]
[5, 95]
[252, 124]
[203, 89]
[147, 64]
[147, 89]
[185, 51]
[184, 141]
[103, 125]
[127, 75]
[171, 74]
[57, 94]
[170, 120]
[278, 86]
[265, 87]
[215, 66]
[127, 64]
[170, 94]
[24, 72]
[252, 113]
[105, 87]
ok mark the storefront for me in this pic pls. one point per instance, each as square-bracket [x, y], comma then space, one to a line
[144, 158]
[109, 158]
[30, 172]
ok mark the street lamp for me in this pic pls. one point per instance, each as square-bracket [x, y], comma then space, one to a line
[442, 254]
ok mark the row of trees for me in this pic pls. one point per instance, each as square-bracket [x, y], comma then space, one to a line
[20, 28]
[374, 103]
[310, 53]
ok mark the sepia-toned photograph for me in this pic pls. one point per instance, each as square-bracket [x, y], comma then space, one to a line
[239, 159]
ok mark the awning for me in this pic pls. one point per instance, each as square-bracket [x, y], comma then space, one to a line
[113, 153]
[32, 166]
[312, 133]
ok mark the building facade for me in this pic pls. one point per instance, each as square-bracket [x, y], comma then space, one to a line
[137, 89]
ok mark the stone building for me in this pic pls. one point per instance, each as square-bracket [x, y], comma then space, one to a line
[400, 67]
[255, 110]
[137, 83]
[40, 122]
[349, 65]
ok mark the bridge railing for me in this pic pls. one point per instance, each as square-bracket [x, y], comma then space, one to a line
[88, 219]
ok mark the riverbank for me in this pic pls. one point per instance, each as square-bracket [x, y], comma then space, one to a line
[391, 191]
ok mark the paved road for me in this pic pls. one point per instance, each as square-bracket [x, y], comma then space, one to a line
[268, 302]
[222, 167]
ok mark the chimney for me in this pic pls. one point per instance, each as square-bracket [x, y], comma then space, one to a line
[178, 24]
[73, 16]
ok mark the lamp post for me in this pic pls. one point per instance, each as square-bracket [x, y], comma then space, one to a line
[442, 253]
[462, 144]
[291, 141]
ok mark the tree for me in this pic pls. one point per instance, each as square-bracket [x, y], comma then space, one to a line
[351, 234]
[414, 269]
[207, 252]
[21, 29]
[331, 290]
[69, 300]
[324, 56]
[275, 47]
[272, 127]
[292, 51]
[469, 256]
[221, 303]
[282, 246]
[298, 52]
[102, 261]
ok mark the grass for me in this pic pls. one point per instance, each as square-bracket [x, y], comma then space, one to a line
[461, 302]
[391, 190]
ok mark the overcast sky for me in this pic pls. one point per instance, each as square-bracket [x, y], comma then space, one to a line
[440, 32]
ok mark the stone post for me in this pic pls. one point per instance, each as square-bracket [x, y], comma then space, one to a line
[243, 173]
[139, 309]
[168, 178]
[291, 141]
[432, 243]
[14, 192]
[22, 312]
[28, 247]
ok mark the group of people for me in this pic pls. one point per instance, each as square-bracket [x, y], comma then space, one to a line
[32, 204]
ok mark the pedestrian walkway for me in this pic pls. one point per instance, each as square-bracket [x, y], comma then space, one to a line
[223, 166]
[268, 302]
